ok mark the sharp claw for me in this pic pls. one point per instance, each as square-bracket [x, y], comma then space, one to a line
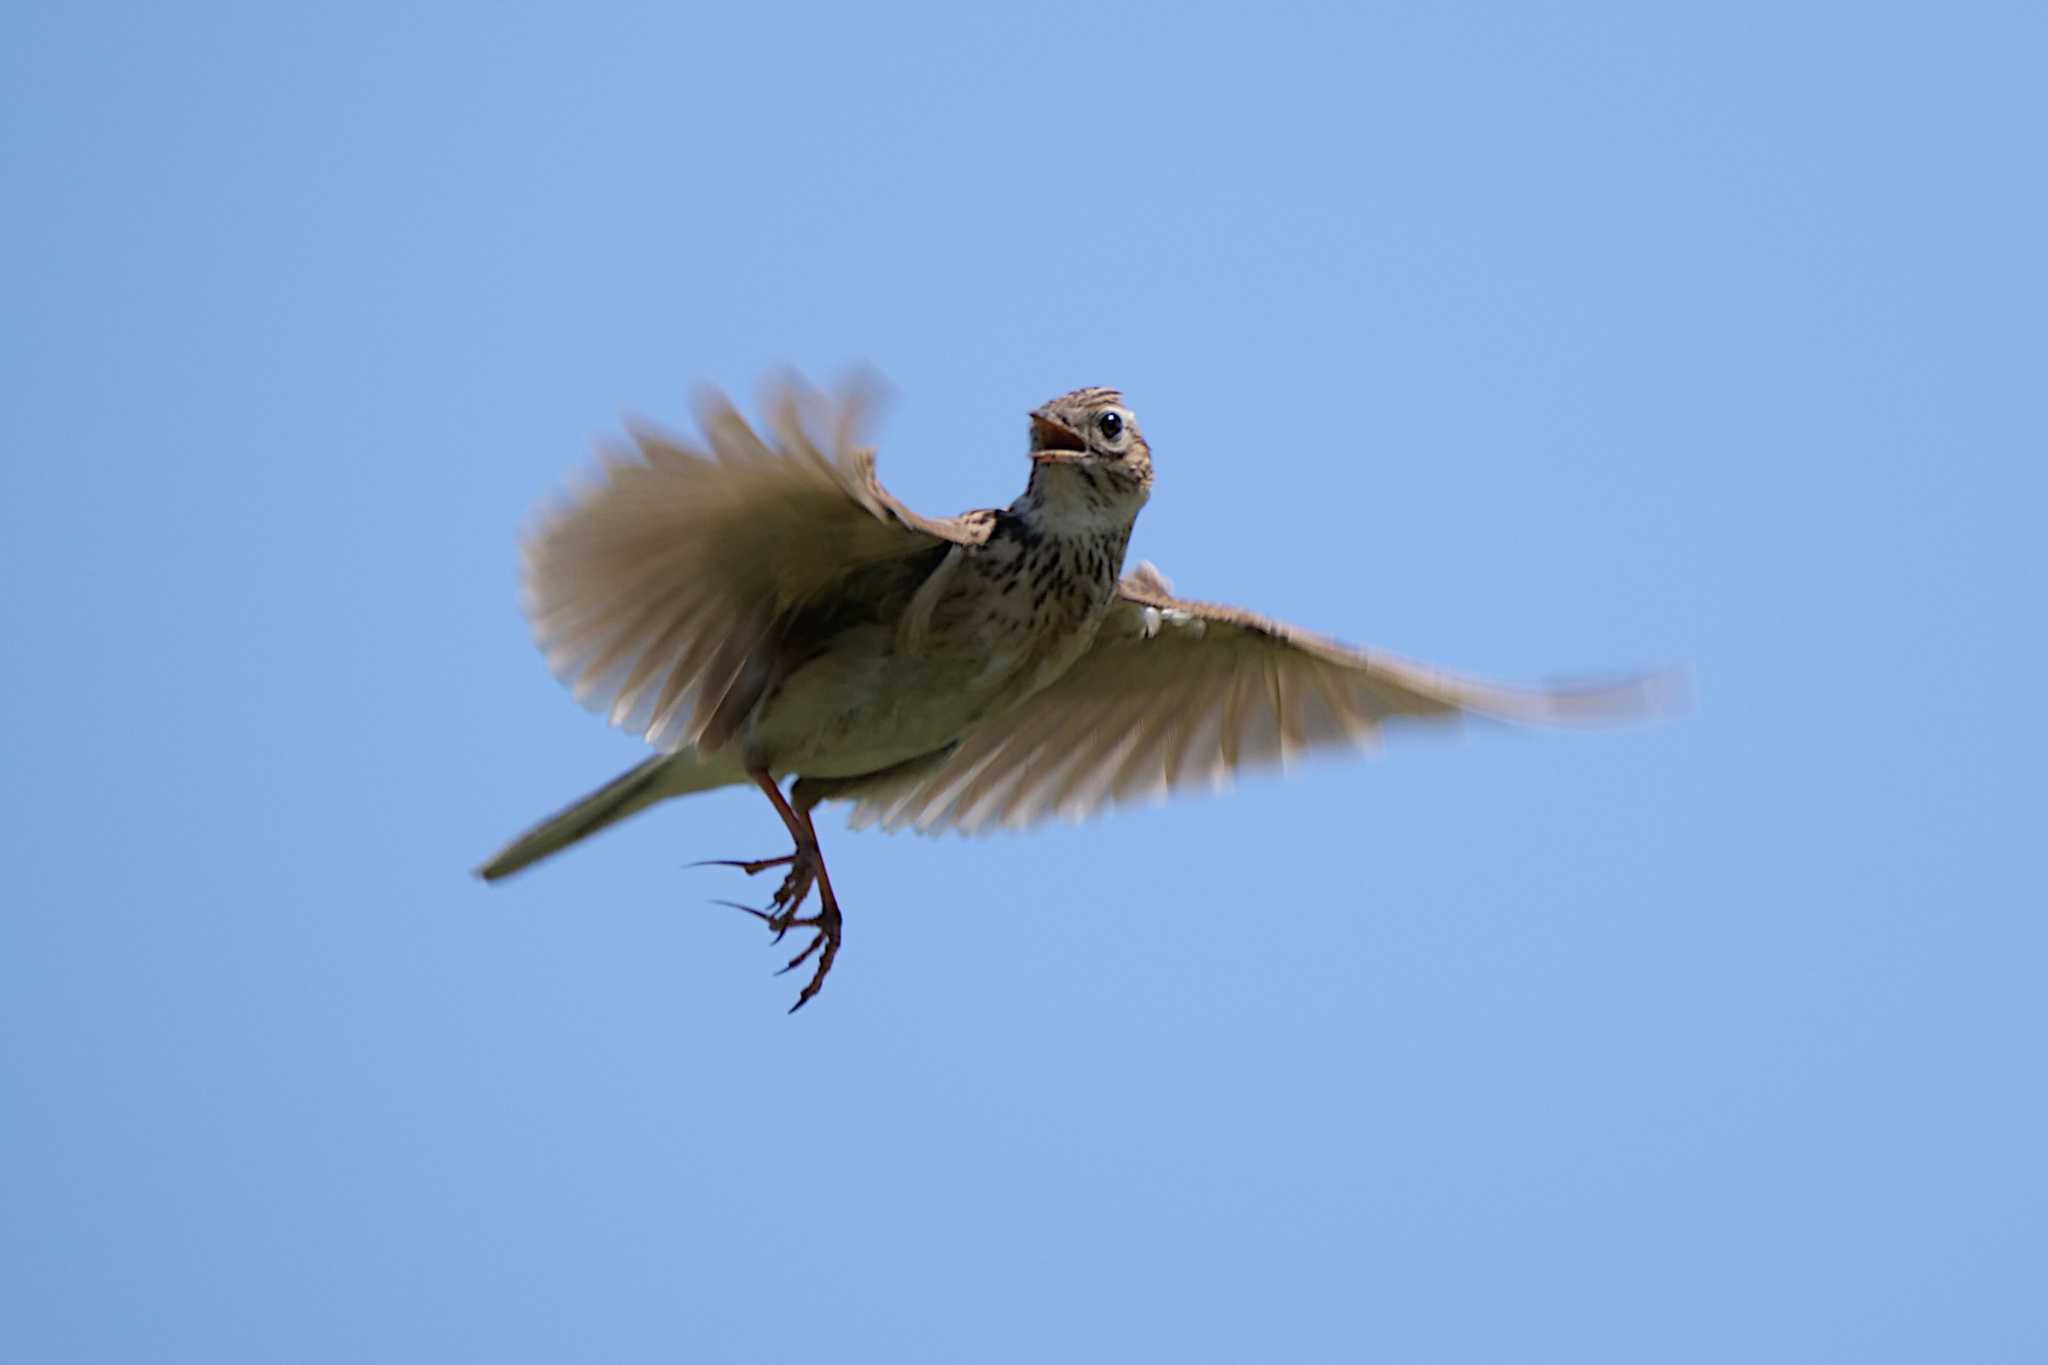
[797, 961]
[750, 866]
[818, 977]
[748, 909]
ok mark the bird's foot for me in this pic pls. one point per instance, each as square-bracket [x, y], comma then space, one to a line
[825, 943]
[803, 872]
[781, 916]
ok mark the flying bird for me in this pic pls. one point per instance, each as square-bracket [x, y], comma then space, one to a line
[759, 608]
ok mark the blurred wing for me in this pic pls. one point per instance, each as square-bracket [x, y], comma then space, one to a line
[1178, 695]
[655, 591]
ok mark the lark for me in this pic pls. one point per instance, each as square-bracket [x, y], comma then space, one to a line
[759, 608]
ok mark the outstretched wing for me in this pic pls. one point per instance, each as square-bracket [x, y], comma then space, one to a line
[1179, 695]
[656, 589]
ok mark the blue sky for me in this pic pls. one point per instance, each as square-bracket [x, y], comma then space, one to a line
[1520, 339]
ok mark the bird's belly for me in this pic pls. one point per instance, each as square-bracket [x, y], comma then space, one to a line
[865, 705]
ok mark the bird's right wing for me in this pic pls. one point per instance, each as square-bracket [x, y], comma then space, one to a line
[1179, 695]
[655, 590]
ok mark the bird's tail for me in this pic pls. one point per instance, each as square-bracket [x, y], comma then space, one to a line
[660, 777]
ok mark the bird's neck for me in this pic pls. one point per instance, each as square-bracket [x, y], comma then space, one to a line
[1069, 500]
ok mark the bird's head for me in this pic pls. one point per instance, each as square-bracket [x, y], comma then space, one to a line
[1087, 443]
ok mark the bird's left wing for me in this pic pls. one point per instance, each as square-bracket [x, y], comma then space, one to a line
[1178, 695]
[657, 589]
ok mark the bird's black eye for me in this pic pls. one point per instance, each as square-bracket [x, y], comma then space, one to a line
[1110, 424]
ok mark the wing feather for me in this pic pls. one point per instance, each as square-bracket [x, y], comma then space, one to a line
[654, 589]
[1178, 695]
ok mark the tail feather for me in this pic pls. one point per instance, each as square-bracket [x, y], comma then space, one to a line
[660, 777]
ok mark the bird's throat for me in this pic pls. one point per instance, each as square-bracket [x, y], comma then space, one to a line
[1081, 499]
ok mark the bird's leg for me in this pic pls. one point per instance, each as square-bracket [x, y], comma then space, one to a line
[806, 866]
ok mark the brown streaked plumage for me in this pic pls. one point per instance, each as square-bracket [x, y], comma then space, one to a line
[762, 608]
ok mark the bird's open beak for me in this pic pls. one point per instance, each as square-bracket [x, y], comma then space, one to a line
[1054, 442]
